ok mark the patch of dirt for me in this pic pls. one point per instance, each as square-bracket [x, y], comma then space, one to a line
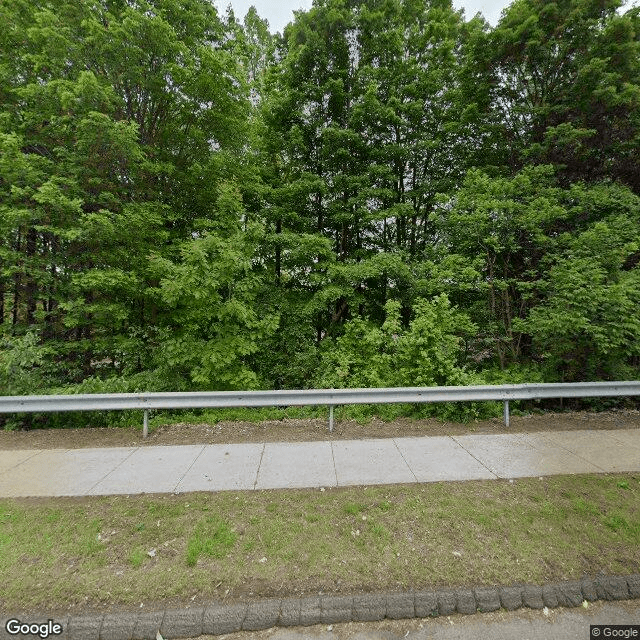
[301, 430]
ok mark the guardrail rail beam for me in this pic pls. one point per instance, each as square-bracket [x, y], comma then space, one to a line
[314, 397]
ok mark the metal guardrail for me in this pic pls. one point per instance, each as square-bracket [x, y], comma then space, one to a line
[313, 397]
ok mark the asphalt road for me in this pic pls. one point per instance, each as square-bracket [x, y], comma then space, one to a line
[523, 624]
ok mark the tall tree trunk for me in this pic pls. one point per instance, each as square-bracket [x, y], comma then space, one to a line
[16, 300]
[278, 250]
[413, 235]
[16, 287]
[319, 214]
[494, 310]
[49, 330]
[31, 287]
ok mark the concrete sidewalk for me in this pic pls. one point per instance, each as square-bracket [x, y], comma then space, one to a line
[274, 465]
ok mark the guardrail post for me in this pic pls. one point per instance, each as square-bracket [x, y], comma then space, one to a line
[506, 413]
[330, 418]
[145, 424]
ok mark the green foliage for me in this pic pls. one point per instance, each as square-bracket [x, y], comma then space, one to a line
[428, 352]
[514, 374]
[95, 384]
[214, 326]
[568, 86]
[21, 360]
[385, 195]
[114, 113]
[560, 279]
[588, 326]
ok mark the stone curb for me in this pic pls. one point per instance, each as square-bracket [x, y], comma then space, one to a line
[217, 619]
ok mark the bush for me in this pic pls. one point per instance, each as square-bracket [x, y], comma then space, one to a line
[428, 352]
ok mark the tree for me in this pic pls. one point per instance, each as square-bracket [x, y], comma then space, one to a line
[366, 121]
[568, 90]
[429, 351]
[213, 325]
[588, 325]
[119, 133]
[544, 258]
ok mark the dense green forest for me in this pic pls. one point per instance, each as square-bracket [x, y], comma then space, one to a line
[388, 193]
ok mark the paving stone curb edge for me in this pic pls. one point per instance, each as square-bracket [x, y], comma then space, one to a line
[217, 618]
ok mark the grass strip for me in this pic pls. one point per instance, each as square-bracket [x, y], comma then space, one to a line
[60, 553]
